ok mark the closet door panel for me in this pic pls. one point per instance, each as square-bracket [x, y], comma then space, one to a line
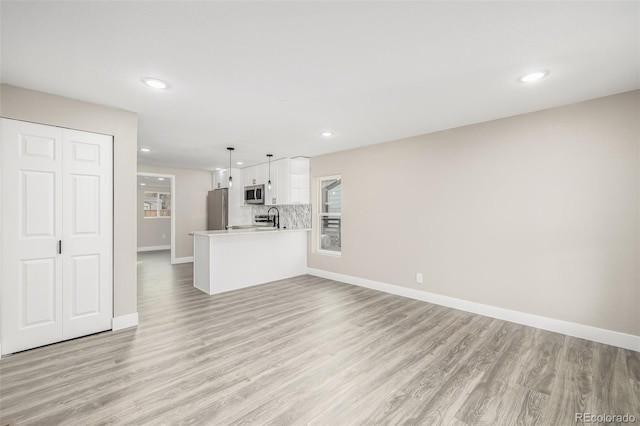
[87, 249]
[31, 212]
[56, 241]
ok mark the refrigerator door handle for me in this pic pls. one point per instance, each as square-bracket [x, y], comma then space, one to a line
[225, 209]
[225, 222]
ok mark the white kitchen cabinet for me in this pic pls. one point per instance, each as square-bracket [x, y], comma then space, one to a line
[255, 175]
[221, 178]
[289, 181]
[299, 180]
[279, 178]
[220, 258]
[247, 176]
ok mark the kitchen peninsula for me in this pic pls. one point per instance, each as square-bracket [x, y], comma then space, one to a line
[237, 258]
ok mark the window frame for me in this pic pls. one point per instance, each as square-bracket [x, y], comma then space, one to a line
[158, 204]
[320, 215]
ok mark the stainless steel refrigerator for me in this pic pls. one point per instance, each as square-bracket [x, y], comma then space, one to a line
[217, 209]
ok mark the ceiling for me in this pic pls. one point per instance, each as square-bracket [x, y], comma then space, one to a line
[153, 182]
[269, 77]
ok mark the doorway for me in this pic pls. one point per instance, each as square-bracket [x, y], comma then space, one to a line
[156, 212]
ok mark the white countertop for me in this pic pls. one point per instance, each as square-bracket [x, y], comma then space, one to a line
[249, 231]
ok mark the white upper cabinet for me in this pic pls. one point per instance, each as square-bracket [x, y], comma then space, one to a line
[248, 175]
[299, 180]
[279, 182]
[255, 175]
[221, 178]
[289, 181]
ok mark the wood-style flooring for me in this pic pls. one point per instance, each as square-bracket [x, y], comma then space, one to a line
[310, 351]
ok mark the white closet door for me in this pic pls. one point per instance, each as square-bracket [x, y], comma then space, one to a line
[56, 186]
[31, 185]
[87, 233]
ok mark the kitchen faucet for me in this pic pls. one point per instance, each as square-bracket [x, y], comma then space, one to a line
[276, 218]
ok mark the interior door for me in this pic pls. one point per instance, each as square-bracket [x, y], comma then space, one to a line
[87, 233]
[31, 186]
[56, 234]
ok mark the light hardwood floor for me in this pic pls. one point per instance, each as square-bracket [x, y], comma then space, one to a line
[312, 351]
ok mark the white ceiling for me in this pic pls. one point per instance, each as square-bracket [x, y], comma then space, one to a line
[269, 77]
[152, 182]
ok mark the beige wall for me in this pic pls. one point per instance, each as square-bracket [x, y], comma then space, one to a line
[38, 107]
[152, 232]
[537, 213]
[190, 203]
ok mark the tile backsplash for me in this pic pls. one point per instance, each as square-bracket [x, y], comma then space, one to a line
[292, 216]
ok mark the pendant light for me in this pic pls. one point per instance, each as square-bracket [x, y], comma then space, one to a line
[230, 178]
[269, 182]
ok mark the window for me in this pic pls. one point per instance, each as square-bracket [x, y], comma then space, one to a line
[157, 204]
[329, 215]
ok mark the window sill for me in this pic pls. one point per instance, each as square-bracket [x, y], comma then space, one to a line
[329, 253]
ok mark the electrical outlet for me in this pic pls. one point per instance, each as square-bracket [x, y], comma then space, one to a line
[419, 277]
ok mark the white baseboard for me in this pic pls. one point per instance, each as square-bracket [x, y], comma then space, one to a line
[600, 335]
[124, 321]
[154, 248]
[182, 260]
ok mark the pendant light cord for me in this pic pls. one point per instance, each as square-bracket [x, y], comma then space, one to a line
[230, 180]
[269, 182]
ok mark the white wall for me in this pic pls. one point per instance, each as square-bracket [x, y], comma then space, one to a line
[153, 232]
[537, 213]
[38, 107]
[190, 200]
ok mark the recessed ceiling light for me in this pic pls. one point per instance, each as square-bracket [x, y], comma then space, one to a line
[239, 163]
[145, 149]
[218, 169]
[533, 76]
[160, 178]
[142, 184]
[327, 134]
[155, 83]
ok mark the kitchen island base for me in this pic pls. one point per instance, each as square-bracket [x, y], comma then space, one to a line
[225, 261]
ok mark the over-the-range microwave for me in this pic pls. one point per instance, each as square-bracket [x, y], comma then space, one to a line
[254, 194]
